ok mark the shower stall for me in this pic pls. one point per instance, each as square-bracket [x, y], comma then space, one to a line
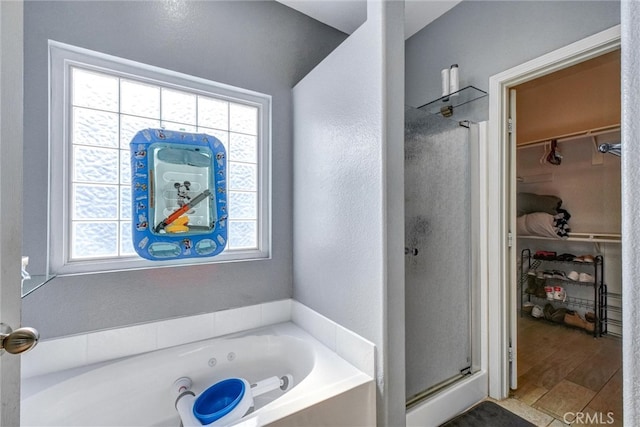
[441, 239]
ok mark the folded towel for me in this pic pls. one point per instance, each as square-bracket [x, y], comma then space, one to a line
[529, 203]
[544, 224]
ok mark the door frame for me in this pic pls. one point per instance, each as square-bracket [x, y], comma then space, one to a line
[500, 267]
[11, 136]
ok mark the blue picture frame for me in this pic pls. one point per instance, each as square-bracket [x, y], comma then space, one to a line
[178, 194]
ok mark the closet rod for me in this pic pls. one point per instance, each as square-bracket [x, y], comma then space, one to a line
[571, 136]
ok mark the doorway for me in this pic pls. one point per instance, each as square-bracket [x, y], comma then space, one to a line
[568, 241]
[501, 177]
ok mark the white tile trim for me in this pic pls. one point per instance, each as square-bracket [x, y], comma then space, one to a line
[351, 347]
[74, 351]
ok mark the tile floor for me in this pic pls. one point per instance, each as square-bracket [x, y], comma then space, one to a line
[566, 377]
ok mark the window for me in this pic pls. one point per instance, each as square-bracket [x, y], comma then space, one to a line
[97, 104]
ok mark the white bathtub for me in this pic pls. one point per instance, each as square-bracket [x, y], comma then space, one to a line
[135, 391]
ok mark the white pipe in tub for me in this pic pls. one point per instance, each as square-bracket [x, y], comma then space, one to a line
[271, 383]
[184, 402]
[184, 406]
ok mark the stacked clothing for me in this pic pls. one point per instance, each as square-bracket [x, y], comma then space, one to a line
[561, 223]
[542, 215]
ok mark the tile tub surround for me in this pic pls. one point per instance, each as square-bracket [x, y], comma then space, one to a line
[59, 354]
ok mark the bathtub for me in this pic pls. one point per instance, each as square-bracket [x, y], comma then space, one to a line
[135, 391]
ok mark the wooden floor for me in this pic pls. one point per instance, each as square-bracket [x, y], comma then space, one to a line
[567, 376]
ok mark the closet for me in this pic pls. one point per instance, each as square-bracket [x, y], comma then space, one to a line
[560, 121]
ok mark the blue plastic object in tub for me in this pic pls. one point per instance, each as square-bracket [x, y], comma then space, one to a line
[218, 400]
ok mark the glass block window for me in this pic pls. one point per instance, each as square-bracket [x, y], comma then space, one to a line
[104, 109]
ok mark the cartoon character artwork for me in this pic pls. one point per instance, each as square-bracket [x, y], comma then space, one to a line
[220, 159]
[141, 153]
[183, 192]
[142, 223]
[186, 243]
[140, 206]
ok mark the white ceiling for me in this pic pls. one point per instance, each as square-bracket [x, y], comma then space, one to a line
[347, 15]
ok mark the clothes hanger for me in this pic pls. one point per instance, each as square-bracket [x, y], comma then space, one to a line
[554, 157]
[545, 153]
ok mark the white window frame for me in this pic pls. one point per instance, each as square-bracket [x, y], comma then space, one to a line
[61, 58]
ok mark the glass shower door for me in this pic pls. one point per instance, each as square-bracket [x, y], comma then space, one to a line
[440, 159]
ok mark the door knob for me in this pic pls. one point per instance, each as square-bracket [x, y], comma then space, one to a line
[18, 341]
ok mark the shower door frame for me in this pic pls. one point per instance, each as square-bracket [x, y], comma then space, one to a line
[466, 392]
[501, 265]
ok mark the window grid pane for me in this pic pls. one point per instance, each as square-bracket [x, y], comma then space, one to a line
[243, 234]
[107, 111]
[95, 90]
[95, 127]
[96, 202]
[94, 240]
[178, 106]
[93, 164]
[139, 99]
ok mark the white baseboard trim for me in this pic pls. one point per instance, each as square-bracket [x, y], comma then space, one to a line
[450, 402]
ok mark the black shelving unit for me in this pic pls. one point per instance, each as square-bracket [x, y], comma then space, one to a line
[610, 302]
[599, 301]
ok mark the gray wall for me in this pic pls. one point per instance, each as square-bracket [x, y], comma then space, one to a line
[262, 46]
[487, 37]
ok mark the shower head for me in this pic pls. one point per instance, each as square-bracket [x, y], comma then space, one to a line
[615, 149]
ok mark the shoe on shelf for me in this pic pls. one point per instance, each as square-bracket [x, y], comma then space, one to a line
[590, 321]
[560, 275]
[527, 307]
[531, 282]
[573, 276]
[589, 327]
[565, 257]
[548, 311]
[558, 315]
[545, 255]
[537, 312]
[572, 318]
[588, 258]
[586, 278]
[548, 290]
